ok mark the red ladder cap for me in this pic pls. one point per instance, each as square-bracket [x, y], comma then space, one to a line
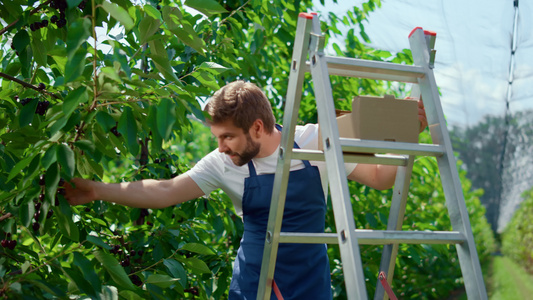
[415, 29]
[429, 32]
[305, 15]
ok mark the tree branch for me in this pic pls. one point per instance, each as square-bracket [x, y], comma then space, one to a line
[6, 216]
[3, 30]
[25, 84]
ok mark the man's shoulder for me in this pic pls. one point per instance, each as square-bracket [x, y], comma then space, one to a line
[306, 136]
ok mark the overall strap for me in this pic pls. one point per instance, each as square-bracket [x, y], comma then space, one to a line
[306, 162]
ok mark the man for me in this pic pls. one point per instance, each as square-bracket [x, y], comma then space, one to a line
[248, 145]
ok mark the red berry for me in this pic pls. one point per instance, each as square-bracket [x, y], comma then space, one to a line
[12, 244]
[36, 226]
[36, 216]
[5, 243]
[42, 180]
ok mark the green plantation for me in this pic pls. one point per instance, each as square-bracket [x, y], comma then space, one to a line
[113, 91]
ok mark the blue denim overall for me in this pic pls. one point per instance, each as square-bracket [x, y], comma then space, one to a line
[302, 270]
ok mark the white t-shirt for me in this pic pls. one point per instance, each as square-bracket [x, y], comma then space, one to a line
[216, 170]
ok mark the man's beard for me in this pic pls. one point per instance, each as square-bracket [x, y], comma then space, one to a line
[251, 150]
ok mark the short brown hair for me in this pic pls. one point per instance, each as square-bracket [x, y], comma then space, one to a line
[243, 103]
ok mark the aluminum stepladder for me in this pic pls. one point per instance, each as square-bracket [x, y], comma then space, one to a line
[309, 42]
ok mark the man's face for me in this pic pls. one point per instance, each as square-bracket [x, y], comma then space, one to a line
[235, 143]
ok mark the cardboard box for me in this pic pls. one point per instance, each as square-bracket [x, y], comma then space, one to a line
[380, 118]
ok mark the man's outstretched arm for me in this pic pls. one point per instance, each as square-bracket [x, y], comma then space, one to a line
[148, 193]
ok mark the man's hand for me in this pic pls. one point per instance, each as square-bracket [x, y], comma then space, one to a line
[422, 116]
[80, 191]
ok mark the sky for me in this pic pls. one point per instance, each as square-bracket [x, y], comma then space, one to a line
[473, 61]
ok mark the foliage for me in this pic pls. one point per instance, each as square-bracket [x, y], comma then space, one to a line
[517, 239]
[108, 94]
[118, 81]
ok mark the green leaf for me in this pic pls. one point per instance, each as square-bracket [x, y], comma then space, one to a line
[77, 278]
[152, 11]
[207, 7]
[159, 56]
[21, 40]
[78, 32]
[58, 125]
[157, 140]
[48, 287]
[65, 156]
[161, 280]
[147, 28]
[87, 270]
[196, 264]
[63, 214]
[177, 270]
[105, 121]
[52, 180]
[26, 212]
[206, 79]
[86, 145]
[190, 38]
[198, 248]
[371, 219]
[74, 99]
[19, 167]
[25, 266]
[75, 66]
[114, 269]
[119, 13]
[27, 113]
[214, 67]
[166, 117]
[98, 241]
[127, 126]
[39, 52]
[73, 3]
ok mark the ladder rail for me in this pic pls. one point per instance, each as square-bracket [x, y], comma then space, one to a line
[281, 178]
[467, 254]
[342, 209]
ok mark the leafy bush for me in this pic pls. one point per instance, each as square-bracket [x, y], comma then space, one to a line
[517, 238]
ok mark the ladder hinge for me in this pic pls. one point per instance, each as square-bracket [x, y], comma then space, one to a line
[316, 43]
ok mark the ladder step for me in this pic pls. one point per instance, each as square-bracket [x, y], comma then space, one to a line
[364, 158]
[353, 67]
[377, 237]
[370, 146]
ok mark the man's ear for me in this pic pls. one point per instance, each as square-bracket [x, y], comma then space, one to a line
[258, 128]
